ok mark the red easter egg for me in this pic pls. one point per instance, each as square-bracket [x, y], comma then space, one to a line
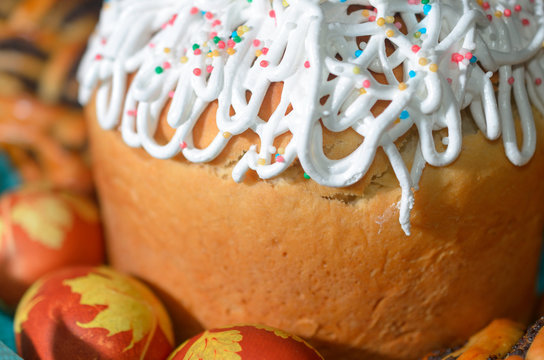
[245, 342]
[42, 230]
[91, 313]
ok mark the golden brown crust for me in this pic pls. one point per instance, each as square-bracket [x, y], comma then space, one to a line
[332, 265]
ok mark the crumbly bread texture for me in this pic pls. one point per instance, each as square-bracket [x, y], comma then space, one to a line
[331, 265]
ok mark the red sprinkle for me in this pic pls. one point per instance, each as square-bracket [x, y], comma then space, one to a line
[256, 42]
[517, 8]
[216, 22]
[264, 63]
[366, 84]
[152, 45]
[98, 57]
[209, 15]
[468, 55]
[449, 80]
[307, 64]
[171, 94]
[485, 5]
[416, 48]
[197, 72]
[371, 18]
[525, 22]
[221, 44]
[511, 80]
[103, 41]
[231, 43]
[173, 19]
[213, 34]
[272, 14]
[457, 58]
[131, 112]
[166, 65]
[194, 10]
[264, 50]
[183, 145]
[280, 159]
[507, 12]
[198, 52]
[538, 81]
[209, 68]
[489, 17]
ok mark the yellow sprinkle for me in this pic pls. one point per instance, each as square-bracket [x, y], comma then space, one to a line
[389, 19]
[210, 54]
[380, 21]
[366, 13]
[231, 51]
[183, 59]
[389, 33]
[402, 86]
[356, 70]
[498, 13]
[433, 67]
[205, 44]
[397, 121]
[227, 135]
[245, 28]
[423, 61]
[166, 50]
[261, 161]
[285, 3]
[215, 53]
[480, 2]
[417, 34]
[258, 53]
[281, 151]
[362, 91]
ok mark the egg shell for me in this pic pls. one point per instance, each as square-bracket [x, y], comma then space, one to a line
[92, 313]
[41, 230]
[245, 342]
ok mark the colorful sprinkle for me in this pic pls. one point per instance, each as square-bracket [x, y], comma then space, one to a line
[227, 134]
[473, 59]
[166, 50]
[390, 33]
[171, 94]
[525, 22]
[362, 91]
[306, 176]
[197, 71]
[380, 22]
[159, 70]
[358, 53]
[198, 52]
[423, 61]
[131, 112]
[221, 44]
[183, 59]
[279, 158]
[366, 84]
[426, 9]
[208, 15]
[261, 161]
[264, 50]
[402, 86]
[231, 51]
[485, 5]
[281, 150]
[216, 22]
[517, 8]
[412, 73]
[365, 13]
[511, 80]
[507, 12]
[272, 13]
[98, 57]
[209, 68]
[356, 70]
[194, 10]
[306, 64]
[264, 63]
[389, 19]
[404, 115]
[433, 68]
[416, 48]
[256, 43]
[183, 145]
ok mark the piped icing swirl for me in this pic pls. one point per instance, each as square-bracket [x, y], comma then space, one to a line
[194, 52]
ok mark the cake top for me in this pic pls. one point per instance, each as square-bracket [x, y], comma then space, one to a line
[332, 58]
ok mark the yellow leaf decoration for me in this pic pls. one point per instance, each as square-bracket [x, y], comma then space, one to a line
[222, 345]
[27, 303]
[85, 208]
[45, 219]
[127, 308]
[282, 334]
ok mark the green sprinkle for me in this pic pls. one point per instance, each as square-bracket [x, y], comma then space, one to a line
[236, 39]
[417, 34]
[306, 176]
[196, 46]
[424, 2]
[216, 39]
[159, 70]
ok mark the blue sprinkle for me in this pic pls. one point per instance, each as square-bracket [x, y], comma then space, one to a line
[203, 12]
[343, 0]
[277, 155]
[358, 53]
[404, 115]
[473, 59]
[234, 33]
[423, 30]
[412, 73]
[426, 9]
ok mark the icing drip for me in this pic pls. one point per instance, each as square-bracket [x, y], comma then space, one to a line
[198, 51]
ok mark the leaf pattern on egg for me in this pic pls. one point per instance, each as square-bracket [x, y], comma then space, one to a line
[128, 309]
[45, 220]
[222, 345]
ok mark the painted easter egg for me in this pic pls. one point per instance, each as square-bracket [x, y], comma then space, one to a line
[91, 313]
[245, 342]
[42, 230]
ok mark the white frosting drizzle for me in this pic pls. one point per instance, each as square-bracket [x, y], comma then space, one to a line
[448, 54]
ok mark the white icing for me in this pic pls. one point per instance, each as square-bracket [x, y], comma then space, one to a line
[305, 39]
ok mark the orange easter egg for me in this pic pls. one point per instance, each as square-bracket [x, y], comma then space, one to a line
[245, 342]
[91, 313]
[42, 230]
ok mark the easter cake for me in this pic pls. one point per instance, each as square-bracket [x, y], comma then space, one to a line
[366, 174]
